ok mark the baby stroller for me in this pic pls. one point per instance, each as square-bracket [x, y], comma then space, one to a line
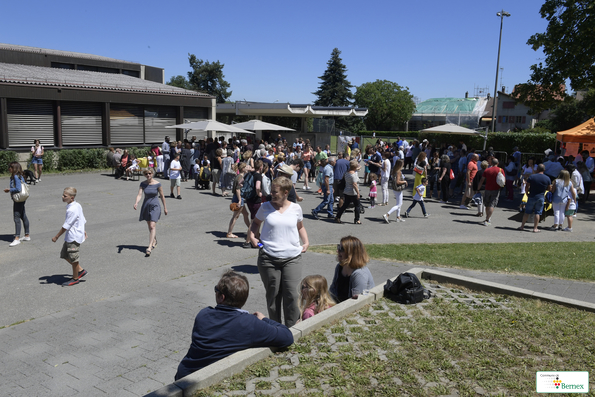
[203, 179]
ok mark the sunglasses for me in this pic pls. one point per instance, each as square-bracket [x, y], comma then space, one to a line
[340, 248]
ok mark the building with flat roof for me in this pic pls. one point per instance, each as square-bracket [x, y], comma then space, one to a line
[69, 99]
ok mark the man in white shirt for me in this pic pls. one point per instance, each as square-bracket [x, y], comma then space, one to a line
[165, 149]
[174, 175]
[74, 227]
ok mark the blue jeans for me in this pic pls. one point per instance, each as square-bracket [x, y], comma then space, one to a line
[421, 203]
[328, 200]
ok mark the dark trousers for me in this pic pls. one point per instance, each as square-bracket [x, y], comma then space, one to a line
[421, 203]
[19, 214]
[166, 163]
[348, 200]
[444, 186]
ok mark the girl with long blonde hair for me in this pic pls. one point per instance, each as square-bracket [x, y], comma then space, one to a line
[314, 296]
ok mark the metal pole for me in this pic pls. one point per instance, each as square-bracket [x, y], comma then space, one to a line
[501, 14]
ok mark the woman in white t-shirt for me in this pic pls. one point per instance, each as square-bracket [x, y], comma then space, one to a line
[279, 257]
[36, 159]
[384, 177]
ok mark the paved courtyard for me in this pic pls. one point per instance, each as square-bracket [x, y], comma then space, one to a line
[124, 328]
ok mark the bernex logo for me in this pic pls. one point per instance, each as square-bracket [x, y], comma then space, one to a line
[569, 382]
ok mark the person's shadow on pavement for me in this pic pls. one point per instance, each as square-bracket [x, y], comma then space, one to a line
[247, 269]
[132, 247]
[57, 279]
[7, 237]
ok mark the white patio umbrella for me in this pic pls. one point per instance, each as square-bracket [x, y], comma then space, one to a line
[457, 129]
[209, 125]
[259, 125]
[450, 129]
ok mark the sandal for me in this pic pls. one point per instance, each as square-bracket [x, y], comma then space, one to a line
[154, 245]
[147, 253]
[357, 222]
[231, 235]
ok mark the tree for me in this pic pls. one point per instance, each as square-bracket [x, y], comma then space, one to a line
[568, 51]
[179, 81]
[335, 89]
[389, 104]
[208, 77]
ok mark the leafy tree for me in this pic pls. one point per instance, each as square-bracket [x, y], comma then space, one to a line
[335, 89]
[389, 104]
[568, 51]
[208, 77]
[567, 115]
[179, 81]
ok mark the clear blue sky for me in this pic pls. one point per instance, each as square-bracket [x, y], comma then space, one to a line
[276, 50]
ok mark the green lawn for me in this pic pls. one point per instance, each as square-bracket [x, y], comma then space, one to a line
[563, 260]
[457, 343]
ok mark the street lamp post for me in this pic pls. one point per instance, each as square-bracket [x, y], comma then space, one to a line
[501, 14]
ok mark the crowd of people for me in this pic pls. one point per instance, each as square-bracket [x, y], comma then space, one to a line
[262, 180]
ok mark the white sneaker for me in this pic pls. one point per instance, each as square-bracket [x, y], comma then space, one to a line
[385, 216]
[25, 238]
[15, 242]
[463, 207]
[568, 229]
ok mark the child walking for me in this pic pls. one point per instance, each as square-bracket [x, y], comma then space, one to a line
[373, 190]
[314, 296]
[74, 227]
[419, 198]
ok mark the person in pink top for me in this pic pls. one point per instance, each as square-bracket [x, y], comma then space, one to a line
[469, 175]
[314, 296]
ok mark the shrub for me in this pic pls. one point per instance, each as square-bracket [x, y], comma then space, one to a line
[7, 157]
[78, 159]
[528, 141]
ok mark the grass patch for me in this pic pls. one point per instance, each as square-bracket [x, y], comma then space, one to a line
[540, 259]
[454, 348]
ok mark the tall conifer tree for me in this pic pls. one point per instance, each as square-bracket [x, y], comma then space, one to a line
[335, 89]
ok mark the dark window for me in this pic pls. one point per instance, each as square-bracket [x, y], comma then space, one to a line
[58, 65]
[87, 68]
[133, 73]
[108, 70]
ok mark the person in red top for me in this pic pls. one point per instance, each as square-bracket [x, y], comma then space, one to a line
[492, 190]
[470, 174]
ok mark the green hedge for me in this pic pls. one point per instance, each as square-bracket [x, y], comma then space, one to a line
[7, 157]
[528, 142]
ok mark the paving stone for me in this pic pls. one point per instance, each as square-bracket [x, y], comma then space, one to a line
[143, 387]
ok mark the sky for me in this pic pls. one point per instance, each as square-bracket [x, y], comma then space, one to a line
[277, 50]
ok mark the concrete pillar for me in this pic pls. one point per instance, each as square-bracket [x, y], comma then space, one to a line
[3, 124]
[106, 131]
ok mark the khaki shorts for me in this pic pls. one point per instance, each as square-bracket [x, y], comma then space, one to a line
[469, 191]
[70, 251]
[490, 198]
[175, 182]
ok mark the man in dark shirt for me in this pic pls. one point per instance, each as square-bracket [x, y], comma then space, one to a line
[225, 329]
[341, 167]
[537, 185]
[254, 203]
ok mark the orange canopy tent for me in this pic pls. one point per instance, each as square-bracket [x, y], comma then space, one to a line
[584, 133]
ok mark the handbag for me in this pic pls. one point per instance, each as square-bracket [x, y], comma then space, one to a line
[234, 207]
[23, 195]
[418, 169]
[452, 174]
[500, 179]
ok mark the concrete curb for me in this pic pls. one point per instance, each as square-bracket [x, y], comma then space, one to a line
[237, 362]
[488, 286]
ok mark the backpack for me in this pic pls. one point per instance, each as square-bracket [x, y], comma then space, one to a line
[406, 289]
[248, 191]
[205, 174]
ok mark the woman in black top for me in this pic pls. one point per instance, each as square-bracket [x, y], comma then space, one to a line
[444, 177]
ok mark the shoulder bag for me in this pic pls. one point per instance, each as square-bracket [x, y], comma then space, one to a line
[23, 195]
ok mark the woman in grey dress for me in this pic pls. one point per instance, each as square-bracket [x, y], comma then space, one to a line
[150, 210]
